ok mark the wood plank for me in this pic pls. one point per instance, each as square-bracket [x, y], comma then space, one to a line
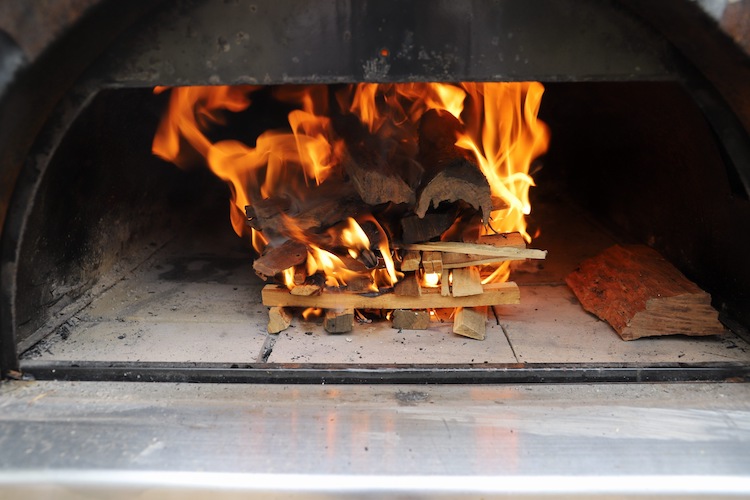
[471, 322]
[466, 282]
[509, 253]
[503, 240]
[458, 260]
[640, 294]
[494, 294]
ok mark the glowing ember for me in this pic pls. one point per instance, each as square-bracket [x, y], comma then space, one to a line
[352, 165]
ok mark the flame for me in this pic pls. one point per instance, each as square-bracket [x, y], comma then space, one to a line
[431, 280]
[505, 140]
[499, 126]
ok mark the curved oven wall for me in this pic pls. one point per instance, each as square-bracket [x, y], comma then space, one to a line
[264, 42]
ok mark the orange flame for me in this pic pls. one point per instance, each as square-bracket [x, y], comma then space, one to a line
[499, 126]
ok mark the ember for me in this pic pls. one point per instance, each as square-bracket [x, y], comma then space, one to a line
[375, 187]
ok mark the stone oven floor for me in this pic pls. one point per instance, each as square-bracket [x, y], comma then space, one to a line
[198, 300]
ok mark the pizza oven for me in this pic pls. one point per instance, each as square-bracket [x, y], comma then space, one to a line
[121, 267]
[648, 145]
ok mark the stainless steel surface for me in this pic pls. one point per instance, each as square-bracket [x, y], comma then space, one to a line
[61, 438]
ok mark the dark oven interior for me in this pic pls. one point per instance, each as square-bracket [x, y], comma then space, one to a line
[116, 264]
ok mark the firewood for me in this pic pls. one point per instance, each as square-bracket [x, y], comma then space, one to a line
[416, 229]
[410, 260]
[320, 208]
[300, 274]
[466, 281]
[339, 320]
[451, 173]
[305, 289]
[445, 289]
[471, 322]
[374, 178]
[494, 294]
[432, 262]
[279, 319]
[360, 283]
[276, 259]
[406, 319]
[507, 253]
[514, 240]
[640, 294]
[506, 240]
[460, 180]
[408, 286]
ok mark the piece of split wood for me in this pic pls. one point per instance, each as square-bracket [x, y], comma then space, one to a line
[471, 322]
[639, 293]
[339, 320]
[499, 240]
[408, 286]
[432, 262]
[276, 259]
[445, 286]
[466, 282]
[493, 294]
[410, 260]
[305, 289]
[407, 319]
[508, 253]
[279, 319]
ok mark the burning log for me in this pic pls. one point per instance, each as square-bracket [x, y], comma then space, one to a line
[405, 319]
[415, 229]
[460, 180]
[640, 294]
[276, 259]
[452, 173]
[493, 294]
[471, 322]
[376, 183]
[323, 206]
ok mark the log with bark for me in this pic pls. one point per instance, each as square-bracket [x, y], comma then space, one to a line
[451, 173]
[640, 294]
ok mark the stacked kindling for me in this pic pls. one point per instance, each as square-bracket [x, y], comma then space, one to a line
[436, 275]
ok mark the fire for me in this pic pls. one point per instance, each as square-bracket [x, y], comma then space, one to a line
[286, 173]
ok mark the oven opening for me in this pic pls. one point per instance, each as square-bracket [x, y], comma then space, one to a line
[148, 266]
